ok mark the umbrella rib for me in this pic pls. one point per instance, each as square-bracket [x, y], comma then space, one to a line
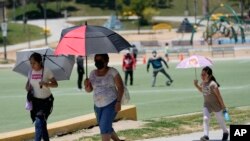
[21, 63]
[56, 64]
[111, 34]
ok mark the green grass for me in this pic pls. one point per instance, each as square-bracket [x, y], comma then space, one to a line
[170, 126]
[157, 102]
[127, 24]
[18, 33]
[79, 9]
[179, 7]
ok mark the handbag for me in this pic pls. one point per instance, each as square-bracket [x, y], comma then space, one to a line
[28, 105]
[126, 97]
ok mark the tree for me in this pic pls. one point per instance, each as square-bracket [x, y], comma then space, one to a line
[141, 8]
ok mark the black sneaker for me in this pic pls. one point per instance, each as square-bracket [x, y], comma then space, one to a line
[225, 137]
[204, 138]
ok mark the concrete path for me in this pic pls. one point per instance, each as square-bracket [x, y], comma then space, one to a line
[215, 135]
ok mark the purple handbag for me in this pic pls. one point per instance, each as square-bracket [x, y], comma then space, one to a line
[28, 105]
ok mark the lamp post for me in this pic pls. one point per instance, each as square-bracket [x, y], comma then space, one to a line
[45, 22]
[4, 27]
[195, 11]
[186, 13]
[14, 10]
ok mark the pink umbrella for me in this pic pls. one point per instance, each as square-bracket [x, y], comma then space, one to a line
[195, 61]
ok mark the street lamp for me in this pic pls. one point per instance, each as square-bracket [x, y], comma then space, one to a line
[14, 10]
[186, 13]
[4, 27]
[195, 11]
[45, 22]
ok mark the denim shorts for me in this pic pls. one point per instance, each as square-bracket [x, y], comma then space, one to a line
[105, 117]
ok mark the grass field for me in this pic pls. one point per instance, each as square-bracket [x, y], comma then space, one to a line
[160, 101]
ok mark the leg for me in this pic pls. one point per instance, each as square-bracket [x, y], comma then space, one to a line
[114, 136]
[106, 137]
[206, 119]
[221, 121]
[80, 77]
[38, 129]
[126, 77]
[154, 77]
[41, 129]
[45, 131]
[166, 74]
[131, 77]
[105, 122]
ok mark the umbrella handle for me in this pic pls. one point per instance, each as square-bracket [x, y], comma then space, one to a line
[86, 67]
[195, 74]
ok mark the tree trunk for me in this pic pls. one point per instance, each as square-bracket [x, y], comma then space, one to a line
[39, 6]
[205, 7]
[242, 7]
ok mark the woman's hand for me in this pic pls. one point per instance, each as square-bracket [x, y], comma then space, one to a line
[196, 82]
[42, 83]
[197, 85]
[118, 106]
[87, 85]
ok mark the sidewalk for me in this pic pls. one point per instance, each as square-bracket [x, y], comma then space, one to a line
[215, 135]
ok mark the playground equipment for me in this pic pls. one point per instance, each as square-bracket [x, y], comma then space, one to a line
[222, 26]
[162, 26]
[113, 23]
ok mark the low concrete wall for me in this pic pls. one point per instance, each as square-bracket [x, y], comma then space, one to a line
[67, 126]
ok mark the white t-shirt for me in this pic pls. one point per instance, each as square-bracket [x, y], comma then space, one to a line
[104, 87]
[35, 77]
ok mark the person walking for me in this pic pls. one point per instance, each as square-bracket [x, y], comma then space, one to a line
[213, 102]
[40, 81]
[166, 52]
[135, 52]
[156, 62]
[128, 66]
[108, 88]
[80, 71]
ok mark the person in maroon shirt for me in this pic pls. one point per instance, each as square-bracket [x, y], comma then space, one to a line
[128, 66]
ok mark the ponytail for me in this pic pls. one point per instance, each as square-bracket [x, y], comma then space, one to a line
[209, 71]
[213, 78]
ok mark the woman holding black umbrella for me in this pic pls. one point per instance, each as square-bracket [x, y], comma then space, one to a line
[108, 88]
[40, 81]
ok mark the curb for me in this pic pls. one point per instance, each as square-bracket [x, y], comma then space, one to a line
[68, 125]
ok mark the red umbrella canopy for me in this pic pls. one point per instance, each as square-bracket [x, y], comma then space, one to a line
[84, 40]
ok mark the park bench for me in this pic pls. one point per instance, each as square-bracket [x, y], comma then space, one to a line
[181, 43]
[223, 51]
[152, 43]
